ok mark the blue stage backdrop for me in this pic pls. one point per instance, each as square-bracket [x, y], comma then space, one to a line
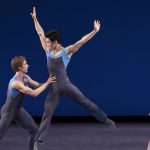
[112, 69]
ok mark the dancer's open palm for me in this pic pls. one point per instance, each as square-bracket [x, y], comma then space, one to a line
[97, 25]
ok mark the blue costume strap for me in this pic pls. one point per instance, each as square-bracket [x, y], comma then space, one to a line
[26, 81]
[13, 92]
[65, 57]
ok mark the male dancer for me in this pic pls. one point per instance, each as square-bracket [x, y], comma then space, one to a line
[12, 109]
[58, 58]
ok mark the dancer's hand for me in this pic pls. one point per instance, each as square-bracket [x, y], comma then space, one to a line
[97, 25]
[51, 79]
[33, 14]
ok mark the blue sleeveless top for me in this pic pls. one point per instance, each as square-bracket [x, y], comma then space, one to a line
[63, 54]
[14, 92]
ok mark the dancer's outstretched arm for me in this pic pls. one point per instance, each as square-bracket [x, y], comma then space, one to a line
[74, 47]
[26, 90]
[34, 83]
[39, 31]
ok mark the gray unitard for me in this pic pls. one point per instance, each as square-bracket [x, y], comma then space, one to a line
[13, 111]
[57, 66]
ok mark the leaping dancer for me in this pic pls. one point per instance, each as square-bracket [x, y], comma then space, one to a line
[58, 57]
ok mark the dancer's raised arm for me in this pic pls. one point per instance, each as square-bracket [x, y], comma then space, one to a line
[40, 31]
[74, 47]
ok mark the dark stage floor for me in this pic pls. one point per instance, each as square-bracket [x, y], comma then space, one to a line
[83, 136]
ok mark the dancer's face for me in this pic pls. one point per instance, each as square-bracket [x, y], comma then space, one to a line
[51, 45]
[24, 67]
